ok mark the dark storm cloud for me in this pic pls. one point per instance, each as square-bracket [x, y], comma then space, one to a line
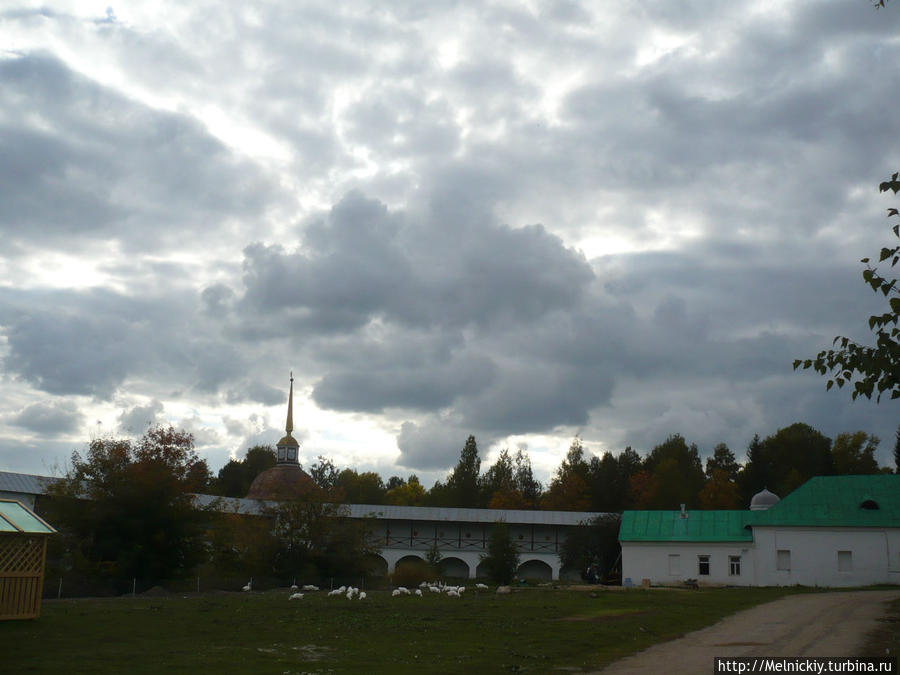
[75, 354]
[255, 392]
[491, 330]
[425, 387]
[424, 301]
[89, 342]
[80, 161]
[49, 418]
[362, 262]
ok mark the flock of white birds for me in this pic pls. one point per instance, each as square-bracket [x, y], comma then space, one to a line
[351, 592]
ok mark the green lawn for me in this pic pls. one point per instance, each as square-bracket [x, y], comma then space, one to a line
[533, 630]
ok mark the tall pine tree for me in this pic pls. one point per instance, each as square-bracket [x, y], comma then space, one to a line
[462, 484]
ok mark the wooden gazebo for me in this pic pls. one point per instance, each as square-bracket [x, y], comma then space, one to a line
[23, 552]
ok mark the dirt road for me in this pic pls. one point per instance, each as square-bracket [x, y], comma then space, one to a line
[820, 624]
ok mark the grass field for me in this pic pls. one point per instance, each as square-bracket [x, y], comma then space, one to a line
[531, 630]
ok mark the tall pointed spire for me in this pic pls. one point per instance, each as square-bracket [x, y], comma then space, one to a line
[289, 427]
[288, 446]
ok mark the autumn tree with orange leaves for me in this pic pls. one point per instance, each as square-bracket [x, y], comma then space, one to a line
[126, 510]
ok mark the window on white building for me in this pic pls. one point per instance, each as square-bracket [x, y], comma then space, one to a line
[674, 563]
[783, 560]
[845, 561]
[734, 565]
[703, 565]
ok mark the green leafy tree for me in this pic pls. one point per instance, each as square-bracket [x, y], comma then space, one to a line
[629, 464]
[675, 475]
[720, 492]
[408, 493]
[502, 558]
[569, 489]
[722, 459]
[361, 488]
[869, 369]
[754, 472]
[325, 474]
[855, 453]
[897, 451]
[126, 507]
[606, 489]
[433, 557]
[315, 533]
[593, 546]
[786, 460]
[610, 480]
[235, 477]
[394, 481]
[241, 546]
[499, 486]
[527, 485]
[463, 483]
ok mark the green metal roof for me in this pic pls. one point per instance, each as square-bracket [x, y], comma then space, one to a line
[697, 526]
[824, 501]
[16, 518]
[838, 501]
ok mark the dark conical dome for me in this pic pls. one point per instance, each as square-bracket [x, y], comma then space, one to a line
[286, 480]
[282, 482]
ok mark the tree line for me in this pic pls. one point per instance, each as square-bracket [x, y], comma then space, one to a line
[670, 474]
[127, 519]
[125, 509]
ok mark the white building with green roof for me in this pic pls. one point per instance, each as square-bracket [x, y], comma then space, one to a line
[831, 531]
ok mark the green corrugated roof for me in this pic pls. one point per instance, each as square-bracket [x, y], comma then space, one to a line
[16, 518]
[698, 526]
[838, 501]
[834, 501]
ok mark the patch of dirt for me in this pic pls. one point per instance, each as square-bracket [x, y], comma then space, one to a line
[308, 652]
[600, 618]
[312, 652]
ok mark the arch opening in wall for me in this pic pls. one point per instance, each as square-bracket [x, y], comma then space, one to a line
[412, 560]
[870, 505]
[535, 570]
[453, 568]
[411, 570]
[481, 571]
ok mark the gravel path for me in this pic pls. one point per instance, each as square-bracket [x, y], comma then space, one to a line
[819, 624]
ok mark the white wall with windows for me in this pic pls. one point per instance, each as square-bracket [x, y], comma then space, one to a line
[778, 556]
[714, 564]
[819, 556]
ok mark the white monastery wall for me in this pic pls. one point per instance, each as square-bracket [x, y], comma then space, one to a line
[667, 563]
[827, 556]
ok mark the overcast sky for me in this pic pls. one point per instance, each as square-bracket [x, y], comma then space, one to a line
[519, 220]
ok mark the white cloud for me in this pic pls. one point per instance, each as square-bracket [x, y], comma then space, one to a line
[518, 222]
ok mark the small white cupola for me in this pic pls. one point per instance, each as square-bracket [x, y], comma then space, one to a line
[764, 500]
